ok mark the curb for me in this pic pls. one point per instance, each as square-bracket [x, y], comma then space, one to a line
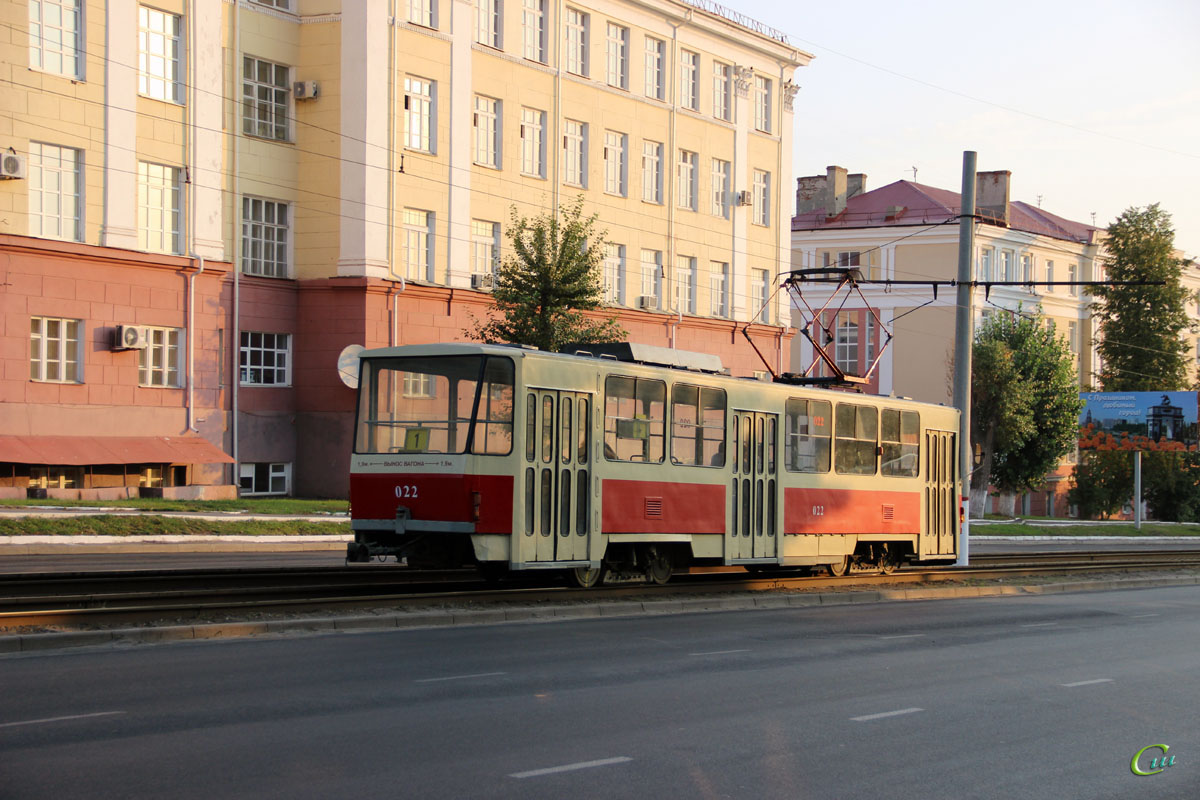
[203, 546]
[40, 642]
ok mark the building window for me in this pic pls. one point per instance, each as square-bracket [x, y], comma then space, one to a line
[687, 281]
[533, 23]
[762, 197]
[1006, 265]
[418, 114]
[985, 264]
[1072, 276]
[577, 42]
[720, 188]
[264, 99]
[722, 91]
[264, 478]
[616, 158]
[423, 13]
[842, 258]
[685, 180]
[55, 207]
[55, 37]
[533, 142]
[655, 81]
[761, 288]
[266, 359]
[158, 363]
[159, 46]
[718, 289]
[485, 247]
[846, 342]
[614, 274]
[487, 131]
[652, 278]
[1050, 275]
[762, 103]
[55, 477]
[282, 5]
[652, 171]
[1073, 337]
[689, 84]
[575, 153]
[418, 245]
[54, 346]
[1027, 268]
[487, 22]
[264, 237]
[160, 196]
[618, 56]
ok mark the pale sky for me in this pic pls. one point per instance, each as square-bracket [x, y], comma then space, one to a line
[1093, 106]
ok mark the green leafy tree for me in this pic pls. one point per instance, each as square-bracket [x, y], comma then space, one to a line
[551, 278]
[1024, 403]
[1102, 484]
[1172, 485]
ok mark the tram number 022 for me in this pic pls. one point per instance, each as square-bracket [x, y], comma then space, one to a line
[818, 511]
[406, 492]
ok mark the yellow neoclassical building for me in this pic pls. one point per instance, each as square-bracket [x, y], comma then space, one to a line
[246, 188]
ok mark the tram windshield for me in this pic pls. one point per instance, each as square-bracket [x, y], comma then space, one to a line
[439, 404]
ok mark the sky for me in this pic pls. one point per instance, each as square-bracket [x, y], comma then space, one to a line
[1093, 106]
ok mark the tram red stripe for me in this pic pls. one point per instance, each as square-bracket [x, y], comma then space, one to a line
[633, 507]
[850, 511]
[444, 498]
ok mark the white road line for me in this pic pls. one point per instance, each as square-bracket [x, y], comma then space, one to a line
[1039, 625]
[718, 652]
[460, 677]
[1087, 683]
[870, 717]
[1137, 616]
[903, 636]
[60, 719]
[603, 762]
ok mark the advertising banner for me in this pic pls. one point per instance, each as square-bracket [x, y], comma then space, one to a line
[1138, 421]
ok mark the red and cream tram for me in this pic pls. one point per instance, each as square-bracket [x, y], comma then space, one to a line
[513, 459]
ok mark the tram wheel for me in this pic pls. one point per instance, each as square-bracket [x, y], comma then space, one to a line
[586, 577]
[658, 567]
[839, 568]
[888, 563]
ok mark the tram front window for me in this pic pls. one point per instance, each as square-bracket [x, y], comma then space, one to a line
[436, 405]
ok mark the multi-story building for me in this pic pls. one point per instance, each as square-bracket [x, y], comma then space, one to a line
[246, 189]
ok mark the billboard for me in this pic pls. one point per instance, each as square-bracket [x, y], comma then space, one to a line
[1138, 421]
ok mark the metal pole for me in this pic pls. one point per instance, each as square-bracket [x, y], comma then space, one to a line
[963, 338]
[1137, 489]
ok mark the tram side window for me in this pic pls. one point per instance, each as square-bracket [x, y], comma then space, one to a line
[697, 425]
[856, 439]
[809, 430]
[634, 419]
[900, 437]
[494, 420]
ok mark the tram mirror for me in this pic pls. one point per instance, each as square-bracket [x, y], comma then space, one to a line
[416, 440]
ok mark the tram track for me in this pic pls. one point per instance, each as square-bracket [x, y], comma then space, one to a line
[85, 600]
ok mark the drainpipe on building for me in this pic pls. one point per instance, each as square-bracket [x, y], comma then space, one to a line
[191, 342]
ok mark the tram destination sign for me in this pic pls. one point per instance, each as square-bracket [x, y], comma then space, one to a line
[1138, 421]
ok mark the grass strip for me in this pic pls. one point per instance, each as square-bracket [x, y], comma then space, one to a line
[1084, 529]
[257, 505]
[148, 525]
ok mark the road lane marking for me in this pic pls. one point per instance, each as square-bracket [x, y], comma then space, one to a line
[903, 636]
[460, 677]
[718, 652]
[1137, 616]
[870, 717]
[1039, 625]
[60, 719]
[603, 762]
[1087, 683]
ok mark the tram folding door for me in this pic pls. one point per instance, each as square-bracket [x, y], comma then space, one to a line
[754, 504]
[941, 494]
[557, 479]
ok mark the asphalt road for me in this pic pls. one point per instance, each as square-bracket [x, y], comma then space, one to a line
[1032, 697]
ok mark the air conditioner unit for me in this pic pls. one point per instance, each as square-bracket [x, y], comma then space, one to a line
[12, 166]
[745, 198]
[130, 337]
[305, 90]
[482, 280]
[647, 301]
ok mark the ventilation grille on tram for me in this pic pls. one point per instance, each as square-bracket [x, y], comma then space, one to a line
[889, 512]
[653, 508]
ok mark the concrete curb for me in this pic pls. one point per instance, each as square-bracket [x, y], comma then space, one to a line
[38, 642]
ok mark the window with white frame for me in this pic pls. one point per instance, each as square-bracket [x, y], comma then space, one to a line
[54, 347]
[55, 200]
[1050, 275]
[1026, 267]
[761, 290]
[574, 153]
[264, 237]
[533, 142]
[420, 384]
[845, 353]
[762, 103]
[652, 171]
[614, 274]
[159, 362]
[654, 50]
[487, 22]
[159, 46]
[1072, 276]
[56, 37]
[160, 198]
[418, 114]
[762, 197]
[720, 188]
[282, 5]
[1073, 337]
[264, 478]
[487, 131]
[1006, 266]
[264, 99]
[985, 264]
[689, 79]
[485, 247]
[417, 249]
[423, 13]
[533, 26]
[842, 258]
[616, 159]
[652, 277]
[722, 91]
[617, 50]
[718, 289]
[576, 25]
[266, 359]
[687, 280]
[685, 179]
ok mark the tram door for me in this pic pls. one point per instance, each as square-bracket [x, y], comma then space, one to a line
[557, 475]
[941, 494]
[754, 506]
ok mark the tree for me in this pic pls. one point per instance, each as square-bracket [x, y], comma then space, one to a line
[1102, 484]
[1024, 403]
[552, 276]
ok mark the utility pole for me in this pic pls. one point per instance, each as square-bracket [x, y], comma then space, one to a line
[963, 340]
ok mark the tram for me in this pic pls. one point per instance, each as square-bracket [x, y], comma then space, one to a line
[636, 462]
